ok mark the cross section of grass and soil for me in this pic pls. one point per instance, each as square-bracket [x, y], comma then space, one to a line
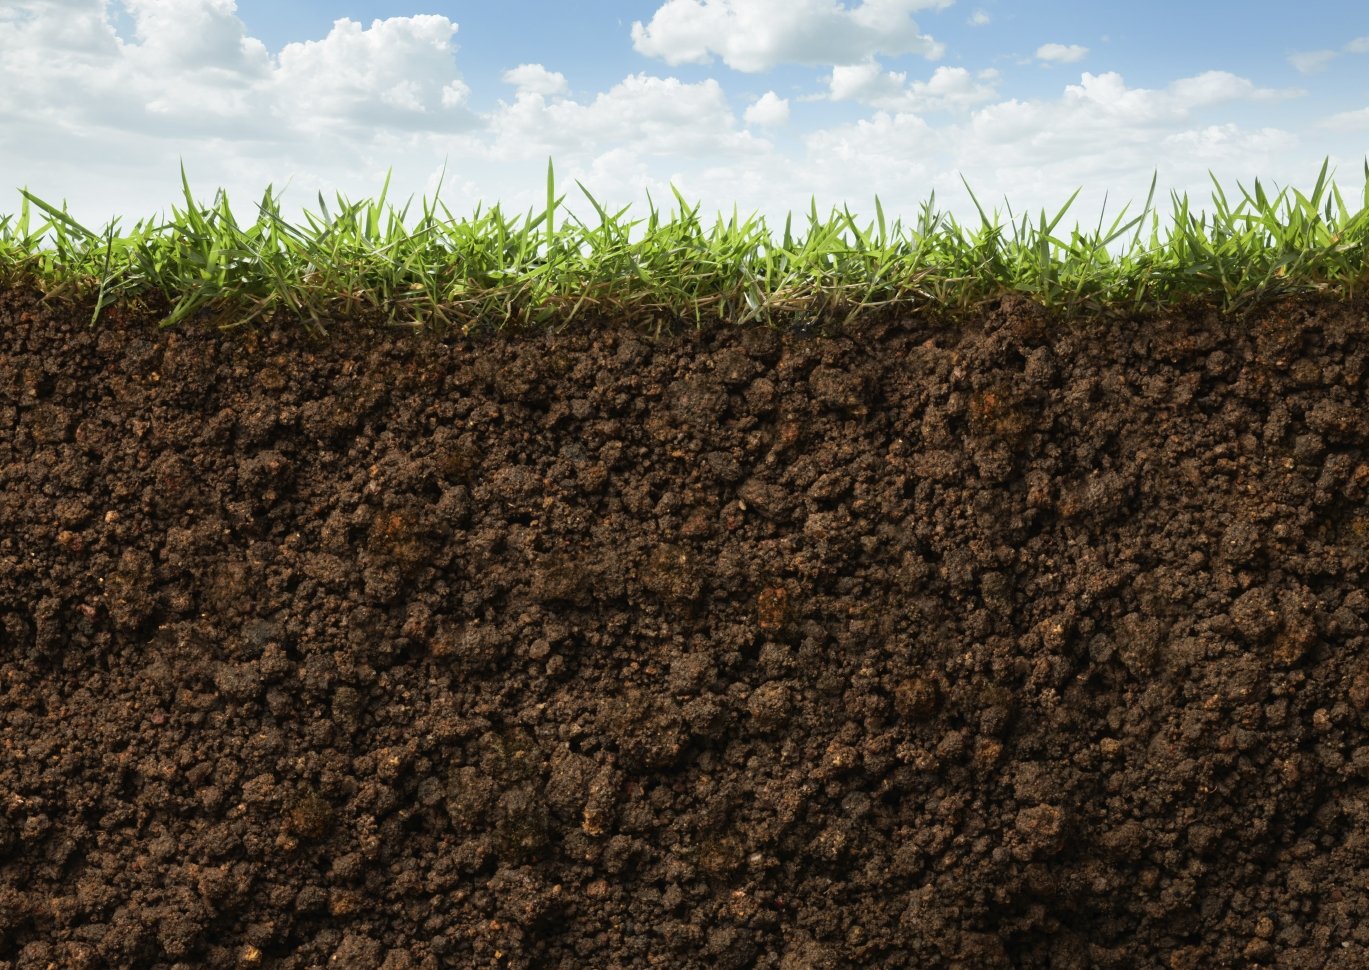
[484, 594]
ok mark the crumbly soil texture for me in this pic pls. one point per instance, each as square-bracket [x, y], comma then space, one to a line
[1013, 641]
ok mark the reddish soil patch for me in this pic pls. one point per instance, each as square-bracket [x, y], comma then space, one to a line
[1024, 644]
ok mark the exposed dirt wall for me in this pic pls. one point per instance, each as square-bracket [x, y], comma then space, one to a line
[1024, 644]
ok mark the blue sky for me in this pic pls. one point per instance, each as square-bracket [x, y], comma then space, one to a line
[758, 103]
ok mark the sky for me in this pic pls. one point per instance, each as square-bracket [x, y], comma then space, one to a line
[762, 105]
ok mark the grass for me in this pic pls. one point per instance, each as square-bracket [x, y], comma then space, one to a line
[362, 258]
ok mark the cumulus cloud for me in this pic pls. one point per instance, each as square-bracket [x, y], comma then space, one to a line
[948, 87]
[1102, 108]
[191, 69]
[62, 60]
[536, 79]
[1348, 121]
[1221, 144]
[662, 116]
[1099, 134]
[397, 73]
[879, 145]
[858, 82]
[757, 35]
[1212, 87]
[1309, 62]
[978, 19]
[195, 35]
[1061, 53]
[768, 109]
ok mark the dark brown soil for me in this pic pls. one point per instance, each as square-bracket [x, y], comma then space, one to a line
[1024, 644]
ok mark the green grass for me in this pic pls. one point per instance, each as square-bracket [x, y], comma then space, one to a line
[363, 259]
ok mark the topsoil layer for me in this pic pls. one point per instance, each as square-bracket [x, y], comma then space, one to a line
[1019, 644]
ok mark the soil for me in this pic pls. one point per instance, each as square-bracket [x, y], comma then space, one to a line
[1012, 641]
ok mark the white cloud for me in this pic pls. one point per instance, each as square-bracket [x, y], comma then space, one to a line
[1099, 135]
[1349, 121]
[663, 116]
[58, 28]
[1222, 146]
[768, 109]
[1061, 53]
[881, 144]
[536, 79]
[397, 73]
[455, 94]
[1309, 62]
[1213, 87]
[948, 87]
[862, 82]
[757, 35]
[201, 35]
[192, 70]
[62, 61]
[978, 19]
[1104, 100]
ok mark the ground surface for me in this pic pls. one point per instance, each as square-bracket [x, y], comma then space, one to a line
[1017, 646]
